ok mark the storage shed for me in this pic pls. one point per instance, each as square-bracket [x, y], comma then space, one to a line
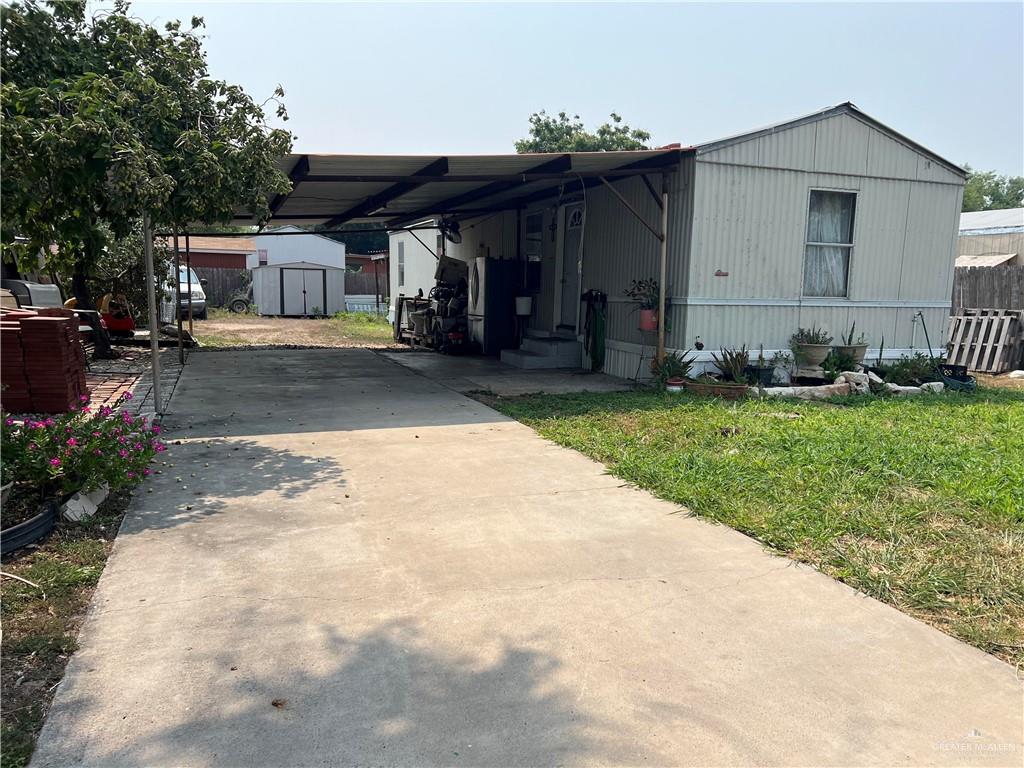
[826, 220]
[297, 274]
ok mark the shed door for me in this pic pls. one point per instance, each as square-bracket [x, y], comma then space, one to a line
[570, 266]
[303, 291]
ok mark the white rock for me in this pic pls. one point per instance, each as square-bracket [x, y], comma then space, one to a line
[823, 392]
[874, 378]
[859, 382]
[781, 375]
[78, 507]
[899, 391]
[1015, 375]
[933, 386]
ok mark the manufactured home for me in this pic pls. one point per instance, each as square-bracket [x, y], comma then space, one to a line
[828, 220]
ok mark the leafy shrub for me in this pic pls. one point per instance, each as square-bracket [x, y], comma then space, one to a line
[82, 449]
[836, 363]
[912, 371]
[672, 367]
[646, 292]
[732, 362]
[810, 335]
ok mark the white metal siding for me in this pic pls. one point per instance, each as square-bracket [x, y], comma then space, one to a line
[287, 249]
[266, 287]
[420, 263]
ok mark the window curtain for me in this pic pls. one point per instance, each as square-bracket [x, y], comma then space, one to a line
[830, 220]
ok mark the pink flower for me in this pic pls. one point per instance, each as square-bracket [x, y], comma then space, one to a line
[8, 421]
[123, 453]
[159, 447]
[156, 429]
[97, 434]
[32, 446]
[147, 471]
[98, 452]
[72, 442]
[122, 439]
[84, 398]
[137, 446]
[106, 410]
[55, 461]
[87, 409]
[131, 474]
[128, 395]
[49, 422]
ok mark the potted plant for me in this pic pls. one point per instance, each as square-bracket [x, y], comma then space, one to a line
[733, 363]
[853, 347]
[810, 345]
[762, 373]
[646, 292]
[671, 372]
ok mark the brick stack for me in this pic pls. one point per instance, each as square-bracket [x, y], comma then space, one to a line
[54, 362]
[14, 394]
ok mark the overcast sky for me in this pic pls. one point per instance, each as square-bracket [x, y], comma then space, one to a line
[421, 78]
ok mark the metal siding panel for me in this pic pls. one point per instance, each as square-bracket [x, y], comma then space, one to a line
[880, 224]
[932, 231]
[929, 170]
[888, 157]
[841, 146]
[749, 222]
[791, 148]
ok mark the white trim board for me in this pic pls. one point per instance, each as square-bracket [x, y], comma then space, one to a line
[704, 355]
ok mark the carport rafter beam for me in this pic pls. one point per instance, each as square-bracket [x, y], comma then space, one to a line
[298, 173]
[631, 209]
[557, 165]
[430, 172]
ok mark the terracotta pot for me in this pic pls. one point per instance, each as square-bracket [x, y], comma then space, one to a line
[856, 351]
[812, 355]
[648, 319]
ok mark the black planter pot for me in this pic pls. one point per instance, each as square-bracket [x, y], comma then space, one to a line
[760, 375]
[33, 529]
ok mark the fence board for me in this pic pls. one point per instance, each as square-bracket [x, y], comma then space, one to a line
[996, 287]
[222, 283]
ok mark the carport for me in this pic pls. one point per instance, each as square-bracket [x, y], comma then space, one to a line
[403, 191]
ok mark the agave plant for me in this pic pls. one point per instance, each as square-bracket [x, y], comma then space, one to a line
[732, 362]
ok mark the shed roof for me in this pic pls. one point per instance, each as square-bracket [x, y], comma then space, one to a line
[984, 259]
[992, 222]
[214, 244]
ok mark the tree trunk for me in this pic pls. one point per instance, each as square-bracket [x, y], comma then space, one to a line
[102, 349]
[80, 284]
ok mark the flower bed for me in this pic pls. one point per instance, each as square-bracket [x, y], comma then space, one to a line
[51, 458]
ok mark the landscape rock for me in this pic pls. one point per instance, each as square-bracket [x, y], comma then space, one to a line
[823, 392]
[933, 386]
[1015, 375]
[896, 389]
[859, 383]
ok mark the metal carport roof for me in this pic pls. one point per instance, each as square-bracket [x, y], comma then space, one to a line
[402, 189]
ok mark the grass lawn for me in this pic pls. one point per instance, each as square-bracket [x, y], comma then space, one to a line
[345, 329]
[918, 502]
[40, 630]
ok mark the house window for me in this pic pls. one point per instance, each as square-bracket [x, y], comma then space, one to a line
[401, 263]
[262, 253]
[829, 243]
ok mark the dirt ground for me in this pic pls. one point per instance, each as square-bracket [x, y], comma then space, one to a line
[345, 330]
[1002, 380]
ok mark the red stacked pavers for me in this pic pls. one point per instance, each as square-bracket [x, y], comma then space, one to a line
[14, 394]
[54, 362]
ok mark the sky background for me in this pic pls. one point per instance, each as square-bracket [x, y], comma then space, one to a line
[455, 78]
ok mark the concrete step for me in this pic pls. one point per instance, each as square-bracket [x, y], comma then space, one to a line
[520, 358]
[551, 346]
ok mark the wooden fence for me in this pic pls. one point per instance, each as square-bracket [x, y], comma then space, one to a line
[988, 288]
[222, 283]
[362, 284]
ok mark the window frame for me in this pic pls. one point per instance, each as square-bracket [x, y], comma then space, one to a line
[849, 246]
[401, 263]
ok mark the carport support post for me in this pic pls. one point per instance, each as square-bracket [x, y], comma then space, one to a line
[154, 320]
[177, 296]
[188, 268]
[664, 267]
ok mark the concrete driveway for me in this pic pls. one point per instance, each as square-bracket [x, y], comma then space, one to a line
[346, 563]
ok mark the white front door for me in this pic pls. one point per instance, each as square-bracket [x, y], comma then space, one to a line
[572, 254]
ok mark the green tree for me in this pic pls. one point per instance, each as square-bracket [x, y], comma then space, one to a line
[988, 191]
[105, 117]
[361, 241]
[562, 133]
